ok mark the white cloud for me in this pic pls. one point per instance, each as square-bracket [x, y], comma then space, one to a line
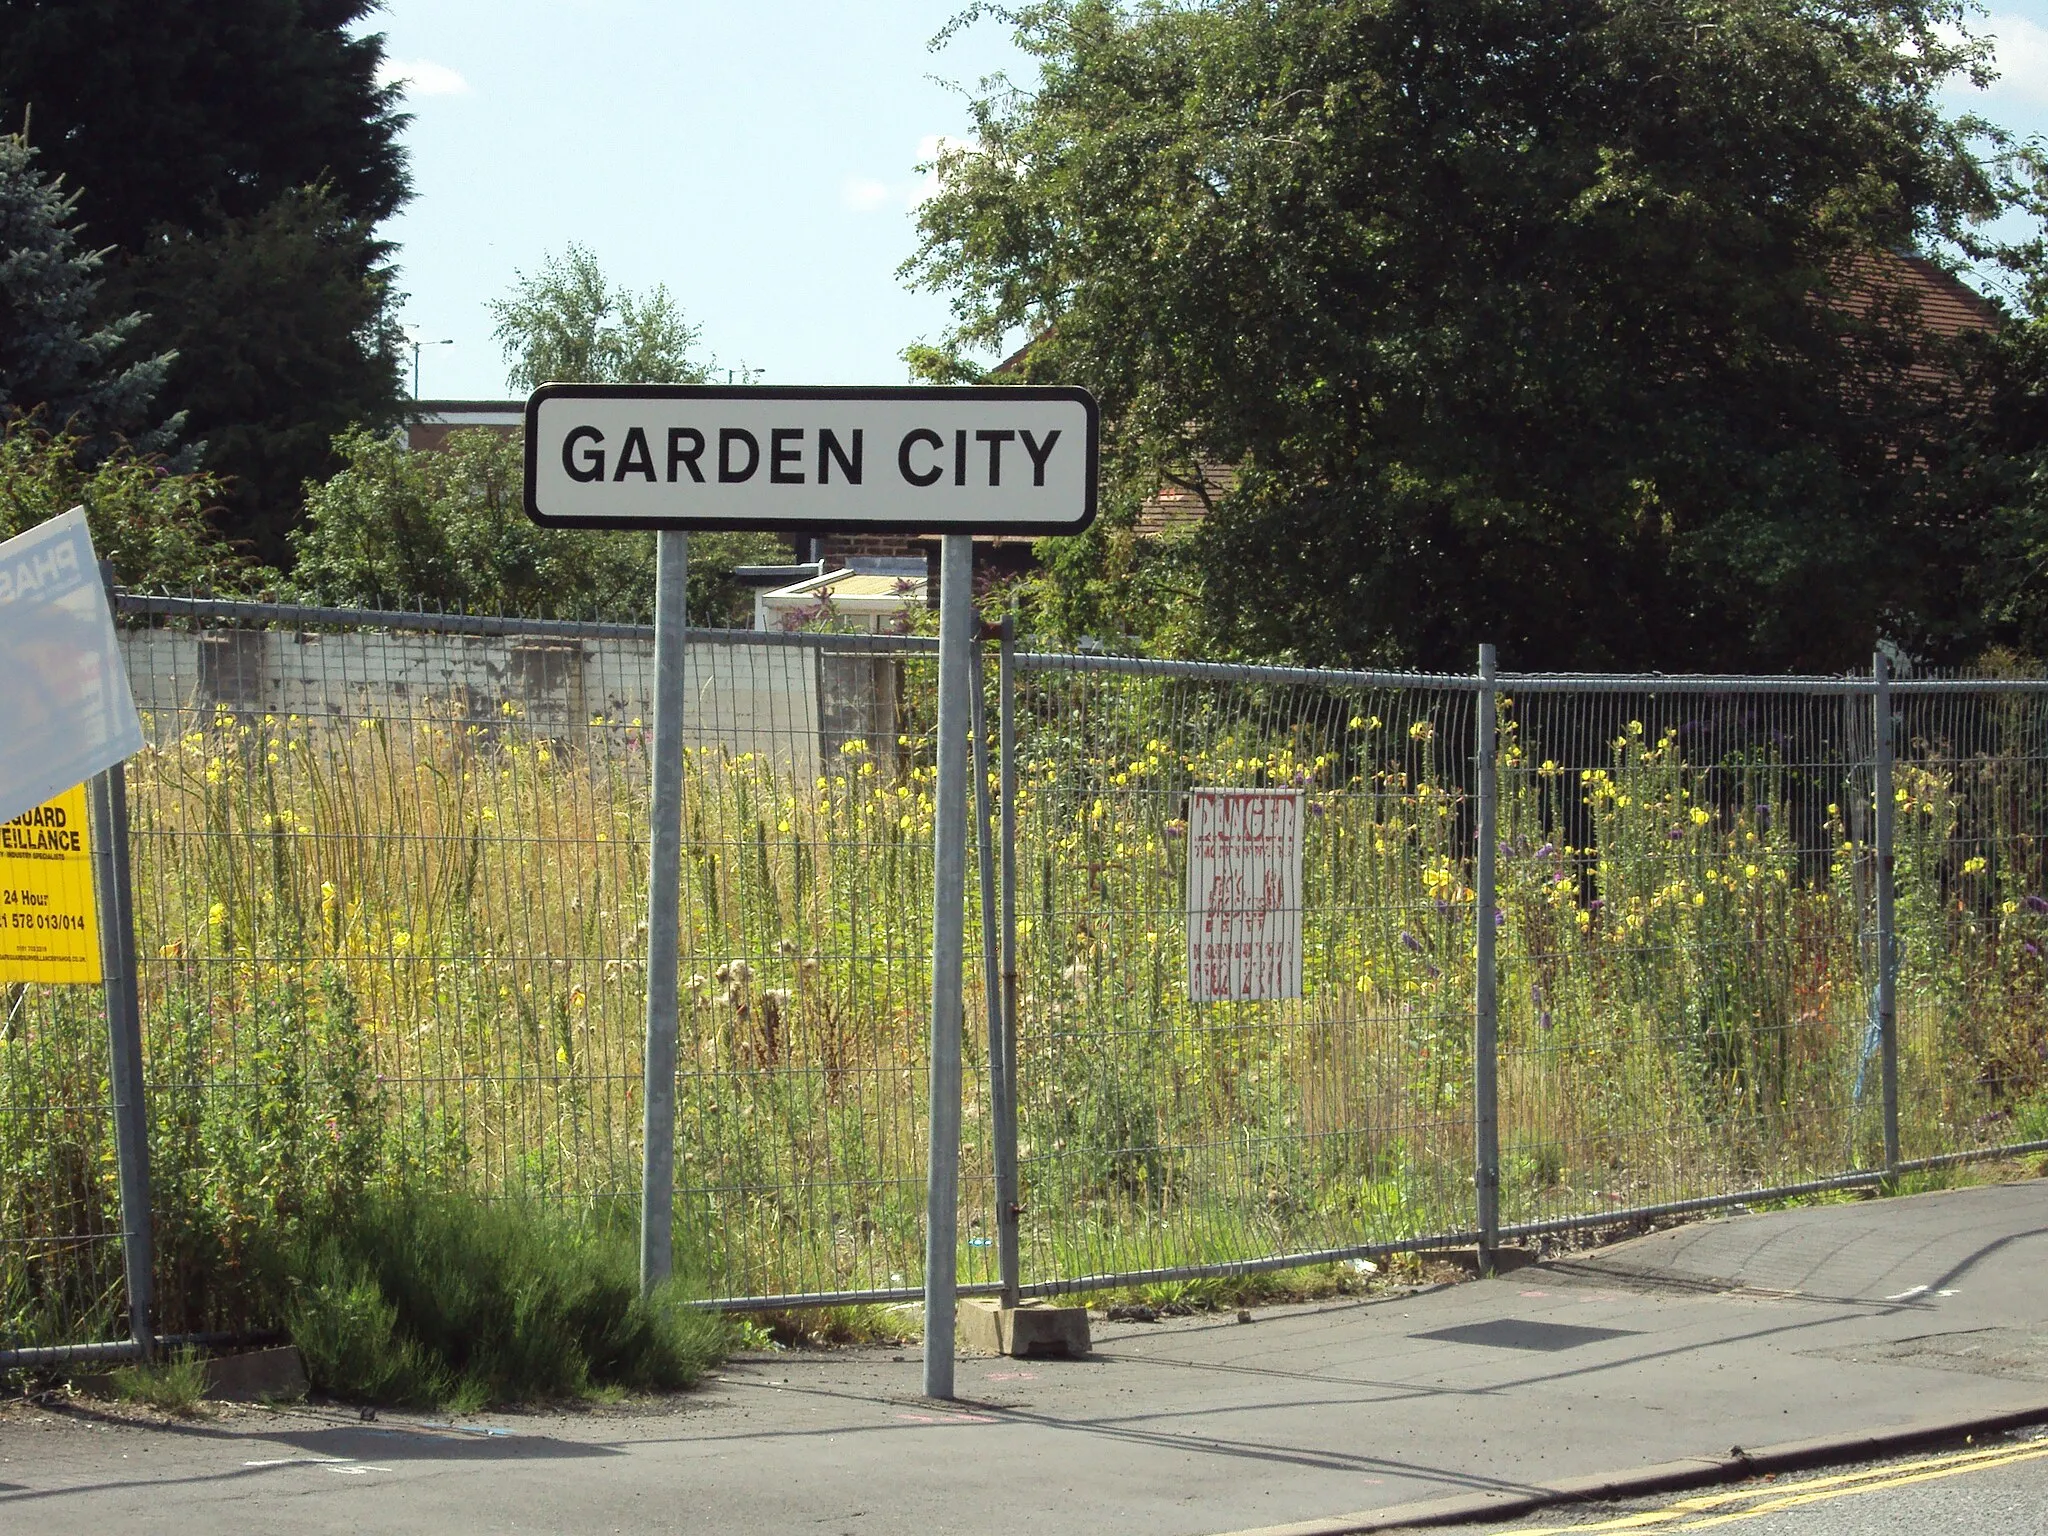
[929, 148]
[422, 77]
[864, 195]
[2022, 58]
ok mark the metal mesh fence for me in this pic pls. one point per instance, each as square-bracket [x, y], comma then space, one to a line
[1971, 788]
[1158, 1134]
[390, 889]
[1684, 884]
[60, 1214]
[391, 900]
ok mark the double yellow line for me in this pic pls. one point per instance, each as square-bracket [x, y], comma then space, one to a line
[1766, 1499]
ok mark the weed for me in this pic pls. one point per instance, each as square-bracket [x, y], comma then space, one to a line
[173, 1383]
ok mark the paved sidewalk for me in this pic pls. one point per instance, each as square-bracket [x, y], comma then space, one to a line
[1751, 1331]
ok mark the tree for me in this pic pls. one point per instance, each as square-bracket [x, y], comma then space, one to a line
[450, 527]
[1549, 324]
[152, 523]
[568, 323]
[283, 337]
[237, 155]
[52, 361]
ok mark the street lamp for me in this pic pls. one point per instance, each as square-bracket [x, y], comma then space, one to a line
[447, 341]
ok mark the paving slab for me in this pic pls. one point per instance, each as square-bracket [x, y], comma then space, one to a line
[1830, 1324]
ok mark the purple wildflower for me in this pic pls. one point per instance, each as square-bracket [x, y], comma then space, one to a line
[2032, 949]
[1547, 851]
[1543, 1019]
[1410, 943]
[2037, 903]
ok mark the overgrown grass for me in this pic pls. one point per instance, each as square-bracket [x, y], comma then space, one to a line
[395, 958]
[444, 1301]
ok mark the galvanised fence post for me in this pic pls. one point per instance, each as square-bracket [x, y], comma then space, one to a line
[1486, 1021]
[115, 900]
[1887, 927]
[1009, 1200]
[1001, 1105]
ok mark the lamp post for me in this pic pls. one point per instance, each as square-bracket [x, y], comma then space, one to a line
[417, 344]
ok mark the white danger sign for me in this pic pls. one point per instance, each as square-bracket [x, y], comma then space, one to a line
[1244, 894]
[65, 709]
[997, 459]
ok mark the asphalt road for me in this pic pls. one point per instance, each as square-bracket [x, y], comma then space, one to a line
[1996, 1485]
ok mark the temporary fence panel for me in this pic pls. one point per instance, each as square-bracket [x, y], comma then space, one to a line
[60, 1211]
[390, 882]
[1971, 793]
[391, 888]
[1161, 1136]
[1683, 913]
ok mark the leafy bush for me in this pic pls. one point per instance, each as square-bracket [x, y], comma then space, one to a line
[151, 523]
[397, 526]
[442, 1300]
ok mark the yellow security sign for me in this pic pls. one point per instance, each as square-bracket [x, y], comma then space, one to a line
[48, 927]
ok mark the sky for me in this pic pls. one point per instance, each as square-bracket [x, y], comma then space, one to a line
[758, 158]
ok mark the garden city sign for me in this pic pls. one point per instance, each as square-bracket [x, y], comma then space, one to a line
[991, 459]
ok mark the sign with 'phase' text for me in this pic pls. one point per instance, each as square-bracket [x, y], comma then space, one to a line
[989, 459]
[49, 928]
[65, 709]
[1244, 894]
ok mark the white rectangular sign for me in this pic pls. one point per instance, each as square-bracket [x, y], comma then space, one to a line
[1244, 894]
[65, 709]
[1020, 460]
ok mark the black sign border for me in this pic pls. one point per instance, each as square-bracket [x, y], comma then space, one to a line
[820, 392]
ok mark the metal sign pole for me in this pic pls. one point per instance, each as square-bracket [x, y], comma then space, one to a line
[664, 894]
[949, 918]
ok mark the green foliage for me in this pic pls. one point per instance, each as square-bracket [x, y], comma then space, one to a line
[171, 112]
[174, 1384]
[52, 359]
[151, 523]
[1521, 321]
[449, 528]
[2009, 467]
[568, 323]
[280, 328]
[235, 155]
[443, 1301]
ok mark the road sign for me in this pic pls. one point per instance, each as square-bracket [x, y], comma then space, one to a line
[65, 709]
[955, 462]
[1244, 894]
[48, 929]
[992, 459]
